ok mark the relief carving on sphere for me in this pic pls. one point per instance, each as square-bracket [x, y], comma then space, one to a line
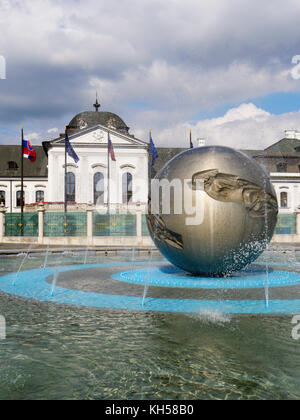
[232, 189]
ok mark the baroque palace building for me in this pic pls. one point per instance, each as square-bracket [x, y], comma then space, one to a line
[129, 174]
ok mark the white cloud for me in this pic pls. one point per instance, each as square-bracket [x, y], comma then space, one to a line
[52, 130]
[245, 127]
[156, 63]
[33, 136]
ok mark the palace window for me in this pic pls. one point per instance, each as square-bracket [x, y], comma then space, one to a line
[39, 197]
[99, 188]
[283, 199]
[19, 198]
[127, 193]
[71, 187]
[2, 197]
[12, 165]
[282, 167]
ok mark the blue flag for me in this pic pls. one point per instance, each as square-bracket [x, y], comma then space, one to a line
[191, 141]
[70, 150]
[153, 151]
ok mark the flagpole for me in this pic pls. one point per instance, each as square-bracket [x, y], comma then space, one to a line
[22, 181]
[191, 140]
[22, 173]
[149, 167]
[108, 175]
[66, 205]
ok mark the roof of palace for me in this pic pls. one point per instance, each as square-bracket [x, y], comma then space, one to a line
[89, 119]
[285, 145]
[285, 148]
[38, 169]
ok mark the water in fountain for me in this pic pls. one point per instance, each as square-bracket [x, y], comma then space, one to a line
[267, 247]
[46, 258]
[133, 254]
[48, 250]
[54, 281]
[22, 263]
[146, 288]
[86, 255]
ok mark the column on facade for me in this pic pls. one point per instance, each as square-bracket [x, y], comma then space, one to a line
[41, 212]
[298, 220]
[139, 223]
[89, 214]
[2, 221]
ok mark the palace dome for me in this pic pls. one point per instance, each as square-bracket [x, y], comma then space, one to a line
[90, 119]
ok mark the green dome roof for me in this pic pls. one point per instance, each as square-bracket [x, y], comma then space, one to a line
[91, 119]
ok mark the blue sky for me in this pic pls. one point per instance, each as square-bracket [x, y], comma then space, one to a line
[221, 68]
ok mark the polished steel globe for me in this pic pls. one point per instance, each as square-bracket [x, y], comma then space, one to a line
[213, 210]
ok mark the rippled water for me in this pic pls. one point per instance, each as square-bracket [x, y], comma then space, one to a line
[64, 352]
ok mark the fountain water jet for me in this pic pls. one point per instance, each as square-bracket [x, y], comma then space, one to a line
[22, 263]
[86, 255]
[54, 281]
[146, 288]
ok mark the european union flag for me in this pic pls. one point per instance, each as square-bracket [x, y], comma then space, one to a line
[70, 150]
[153, 151]
[191, 140]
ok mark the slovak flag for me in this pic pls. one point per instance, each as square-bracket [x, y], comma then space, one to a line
[28, 151]
[111, 149]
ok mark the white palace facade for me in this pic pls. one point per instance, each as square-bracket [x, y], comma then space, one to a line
[129, 174]
[86, 179]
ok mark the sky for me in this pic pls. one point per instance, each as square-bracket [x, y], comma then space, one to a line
[227, 69]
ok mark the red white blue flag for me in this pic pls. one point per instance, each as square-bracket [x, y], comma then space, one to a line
[111, 149]
[28, 151]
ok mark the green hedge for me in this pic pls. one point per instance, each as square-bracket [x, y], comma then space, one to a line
[145, 230]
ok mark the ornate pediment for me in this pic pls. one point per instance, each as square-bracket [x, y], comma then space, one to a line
[98, 136]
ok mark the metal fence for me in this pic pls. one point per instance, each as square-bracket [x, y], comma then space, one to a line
[17, 224]
[114, 224]
[286, 224]
[75, 224]
[145, 230]
[65, 224]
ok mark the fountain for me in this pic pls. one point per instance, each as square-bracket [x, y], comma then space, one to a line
[224, 263]
[26, 254]
[147, 281]
[220, 333]
[54, 282]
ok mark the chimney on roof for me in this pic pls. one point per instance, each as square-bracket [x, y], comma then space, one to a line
[201, 142]
[292, 134]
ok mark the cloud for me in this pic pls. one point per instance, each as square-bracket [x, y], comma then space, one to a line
[52, 130]
[158, 64]
[245, 127]
[33, 136]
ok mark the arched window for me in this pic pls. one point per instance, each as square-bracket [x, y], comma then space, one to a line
[19, 198]
[127, 188]
[99, 188]
[282, 167]
[283, 199]
[71, 187]
[39, 197]
[2, 197]
[12, 165]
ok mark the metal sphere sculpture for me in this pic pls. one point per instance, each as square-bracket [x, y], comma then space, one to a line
[213, 210]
